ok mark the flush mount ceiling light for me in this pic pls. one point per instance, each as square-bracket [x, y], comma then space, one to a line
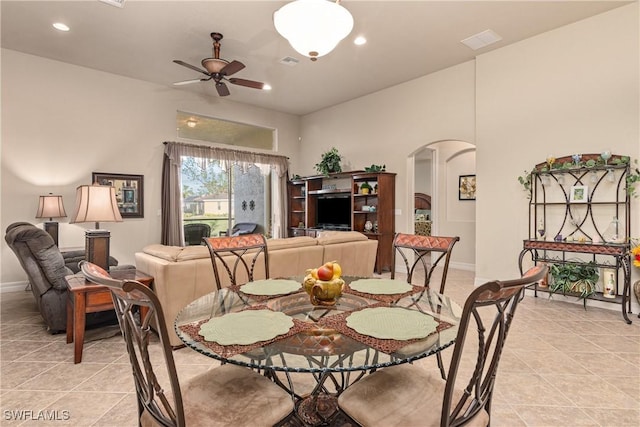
[313, 27]
[191, 123]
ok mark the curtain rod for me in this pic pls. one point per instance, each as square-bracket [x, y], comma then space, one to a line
[227, 149]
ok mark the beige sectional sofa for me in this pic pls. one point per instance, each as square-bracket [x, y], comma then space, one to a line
[183, 274]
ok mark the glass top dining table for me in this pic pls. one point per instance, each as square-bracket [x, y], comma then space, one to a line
[361, 332]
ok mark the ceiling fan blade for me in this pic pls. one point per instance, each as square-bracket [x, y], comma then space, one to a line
[247, 83]
[186, 82]
[232, 68]
[222, 89]
[193, 67]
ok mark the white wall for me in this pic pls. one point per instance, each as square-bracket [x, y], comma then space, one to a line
[453, 217]
[571, 90]
[574, 89]
[61, 122]
[389, 126]
[423, 172]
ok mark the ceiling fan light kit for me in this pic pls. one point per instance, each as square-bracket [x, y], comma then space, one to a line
[313, 27]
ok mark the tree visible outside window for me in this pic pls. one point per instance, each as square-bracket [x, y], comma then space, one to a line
[221, 198]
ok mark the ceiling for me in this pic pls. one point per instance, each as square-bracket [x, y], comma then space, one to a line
[406, 40]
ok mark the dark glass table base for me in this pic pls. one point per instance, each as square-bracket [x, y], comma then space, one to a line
[301, 418]
[316, 410]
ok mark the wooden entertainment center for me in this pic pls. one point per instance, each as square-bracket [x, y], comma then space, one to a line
[372, 213]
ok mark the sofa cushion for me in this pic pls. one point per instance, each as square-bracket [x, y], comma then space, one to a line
[332, 237]
[177, 253]
[169, 253]
[290, 242]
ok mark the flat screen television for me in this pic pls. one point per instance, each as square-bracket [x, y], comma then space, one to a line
[334, 212]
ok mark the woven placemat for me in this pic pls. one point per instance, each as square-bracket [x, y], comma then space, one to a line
[193, 330]
[388, 346]
[389, 298]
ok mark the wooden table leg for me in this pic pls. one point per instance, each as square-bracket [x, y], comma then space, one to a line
[69, 318]
[78, 325]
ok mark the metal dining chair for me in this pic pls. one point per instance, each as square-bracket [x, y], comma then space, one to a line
[228, 395]
[238, 256]
[405, 395]
[421, 248]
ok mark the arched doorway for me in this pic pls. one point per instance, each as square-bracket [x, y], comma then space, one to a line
[437, 170]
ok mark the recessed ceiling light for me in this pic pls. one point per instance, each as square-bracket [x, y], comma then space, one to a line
[266, 87]
[60, 26]
[360, 40]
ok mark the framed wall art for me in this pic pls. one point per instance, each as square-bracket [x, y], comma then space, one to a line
[129, 192]
[467, 187]
[578, 194]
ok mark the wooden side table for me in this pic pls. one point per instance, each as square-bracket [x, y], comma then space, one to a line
[87, 297]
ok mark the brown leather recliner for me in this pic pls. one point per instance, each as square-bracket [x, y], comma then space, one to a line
[46, 268]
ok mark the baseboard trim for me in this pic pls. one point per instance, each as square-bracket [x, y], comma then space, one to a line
[13, 286]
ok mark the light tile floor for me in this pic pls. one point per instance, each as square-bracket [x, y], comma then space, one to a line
[562, 366]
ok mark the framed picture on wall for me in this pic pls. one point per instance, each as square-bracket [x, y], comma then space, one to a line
[578, 194]
[129, 192]
[467, 187]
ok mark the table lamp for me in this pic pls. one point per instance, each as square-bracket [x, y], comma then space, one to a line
[96, 203]
[51, 207]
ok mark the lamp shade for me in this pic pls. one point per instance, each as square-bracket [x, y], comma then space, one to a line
[96, 203]
[313, 27]
[50, 207]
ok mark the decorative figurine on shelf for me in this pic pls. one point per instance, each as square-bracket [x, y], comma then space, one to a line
[541, 229]
[608, 283]
[550, 160]
[576, 159]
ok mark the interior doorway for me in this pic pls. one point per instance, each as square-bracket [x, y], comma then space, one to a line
[437, 169]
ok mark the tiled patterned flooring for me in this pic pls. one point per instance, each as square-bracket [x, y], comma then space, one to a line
[562, 366]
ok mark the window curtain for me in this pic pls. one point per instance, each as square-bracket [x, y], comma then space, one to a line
[172, 232]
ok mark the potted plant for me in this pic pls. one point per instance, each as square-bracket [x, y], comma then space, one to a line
[575, 277]
[365, 188]
[330, 162]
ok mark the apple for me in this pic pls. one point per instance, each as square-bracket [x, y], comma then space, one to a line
[325, 272]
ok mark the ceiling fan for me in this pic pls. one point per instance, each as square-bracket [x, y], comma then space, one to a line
[218, 70]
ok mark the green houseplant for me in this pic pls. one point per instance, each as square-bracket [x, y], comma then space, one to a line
[576, 277]
[330, 162]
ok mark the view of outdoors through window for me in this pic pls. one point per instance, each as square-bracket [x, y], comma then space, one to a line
[228, 201]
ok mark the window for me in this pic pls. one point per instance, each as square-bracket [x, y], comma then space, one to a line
[222, 197]
[224, 187]
[203, 128]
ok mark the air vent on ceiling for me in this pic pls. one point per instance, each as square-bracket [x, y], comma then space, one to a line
[116, 3]
[287, 60]
[480, 40]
